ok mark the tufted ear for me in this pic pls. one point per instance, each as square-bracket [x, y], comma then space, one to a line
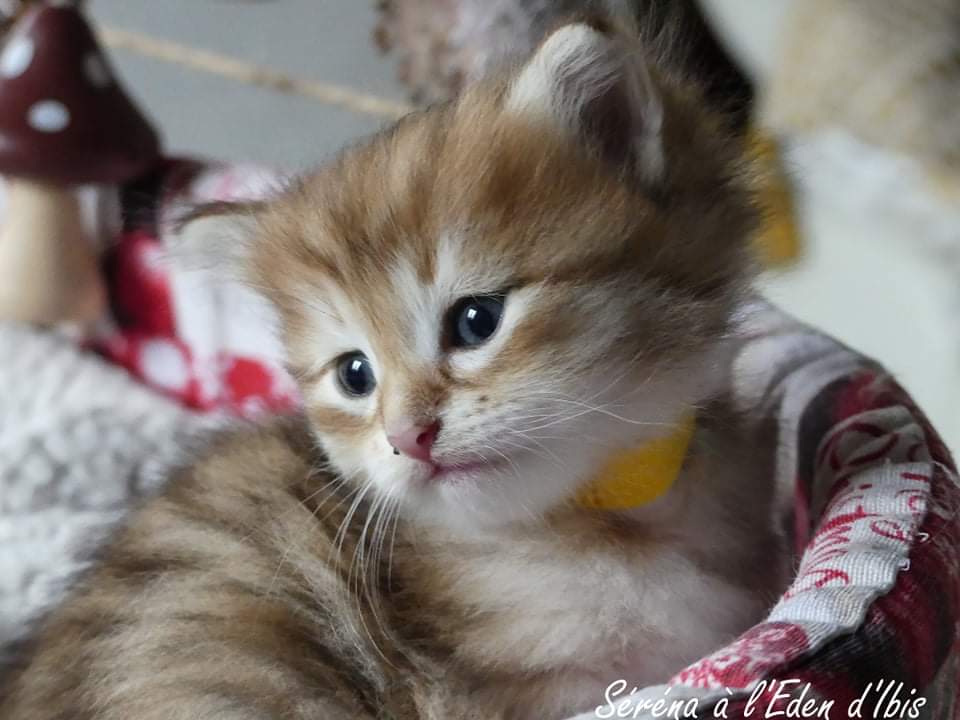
[215, 237]
[217, 305]
[594, 82]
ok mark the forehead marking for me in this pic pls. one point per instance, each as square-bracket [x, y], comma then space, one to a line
[418, 309]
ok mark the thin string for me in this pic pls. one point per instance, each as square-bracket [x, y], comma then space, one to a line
[250, 73]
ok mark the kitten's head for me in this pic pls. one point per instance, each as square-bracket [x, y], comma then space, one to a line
[485, 301]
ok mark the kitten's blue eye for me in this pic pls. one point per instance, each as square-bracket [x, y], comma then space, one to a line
[355, 374]
[474, 320]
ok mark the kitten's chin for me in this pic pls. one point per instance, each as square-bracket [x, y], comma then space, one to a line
[521, 488]
[467, 497]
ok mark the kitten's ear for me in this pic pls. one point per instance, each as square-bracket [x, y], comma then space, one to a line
[217, 303]
[593, 80]
[216, 237]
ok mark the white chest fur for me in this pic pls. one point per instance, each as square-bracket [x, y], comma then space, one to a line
[563, 610]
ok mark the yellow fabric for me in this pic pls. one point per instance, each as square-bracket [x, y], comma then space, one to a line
[637, 477]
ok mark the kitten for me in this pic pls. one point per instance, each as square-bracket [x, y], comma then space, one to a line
[482, 305]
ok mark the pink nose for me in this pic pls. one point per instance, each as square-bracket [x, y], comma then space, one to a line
[415, 441]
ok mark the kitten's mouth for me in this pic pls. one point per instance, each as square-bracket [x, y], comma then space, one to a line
[453, 470]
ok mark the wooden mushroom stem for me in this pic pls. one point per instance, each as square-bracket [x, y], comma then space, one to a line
[48, 267]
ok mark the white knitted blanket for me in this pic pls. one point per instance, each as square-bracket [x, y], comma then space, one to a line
[78, 441]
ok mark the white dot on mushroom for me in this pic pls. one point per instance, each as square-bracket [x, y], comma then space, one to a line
[48, 116]
[16, 57]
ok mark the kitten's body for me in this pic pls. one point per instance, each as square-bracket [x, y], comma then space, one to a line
[231, 597]
[594, 203]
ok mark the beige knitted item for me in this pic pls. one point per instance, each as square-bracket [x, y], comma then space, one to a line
[888, 71]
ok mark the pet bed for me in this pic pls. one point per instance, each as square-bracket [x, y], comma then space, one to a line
[869, 490]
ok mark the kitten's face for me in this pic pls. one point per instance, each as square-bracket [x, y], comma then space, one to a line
[490, 290]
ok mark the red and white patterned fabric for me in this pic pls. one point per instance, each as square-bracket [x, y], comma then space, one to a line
[869, 487]
[202, 343]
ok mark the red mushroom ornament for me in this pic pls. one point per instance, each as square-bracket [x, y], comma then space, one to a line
[64, 121]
